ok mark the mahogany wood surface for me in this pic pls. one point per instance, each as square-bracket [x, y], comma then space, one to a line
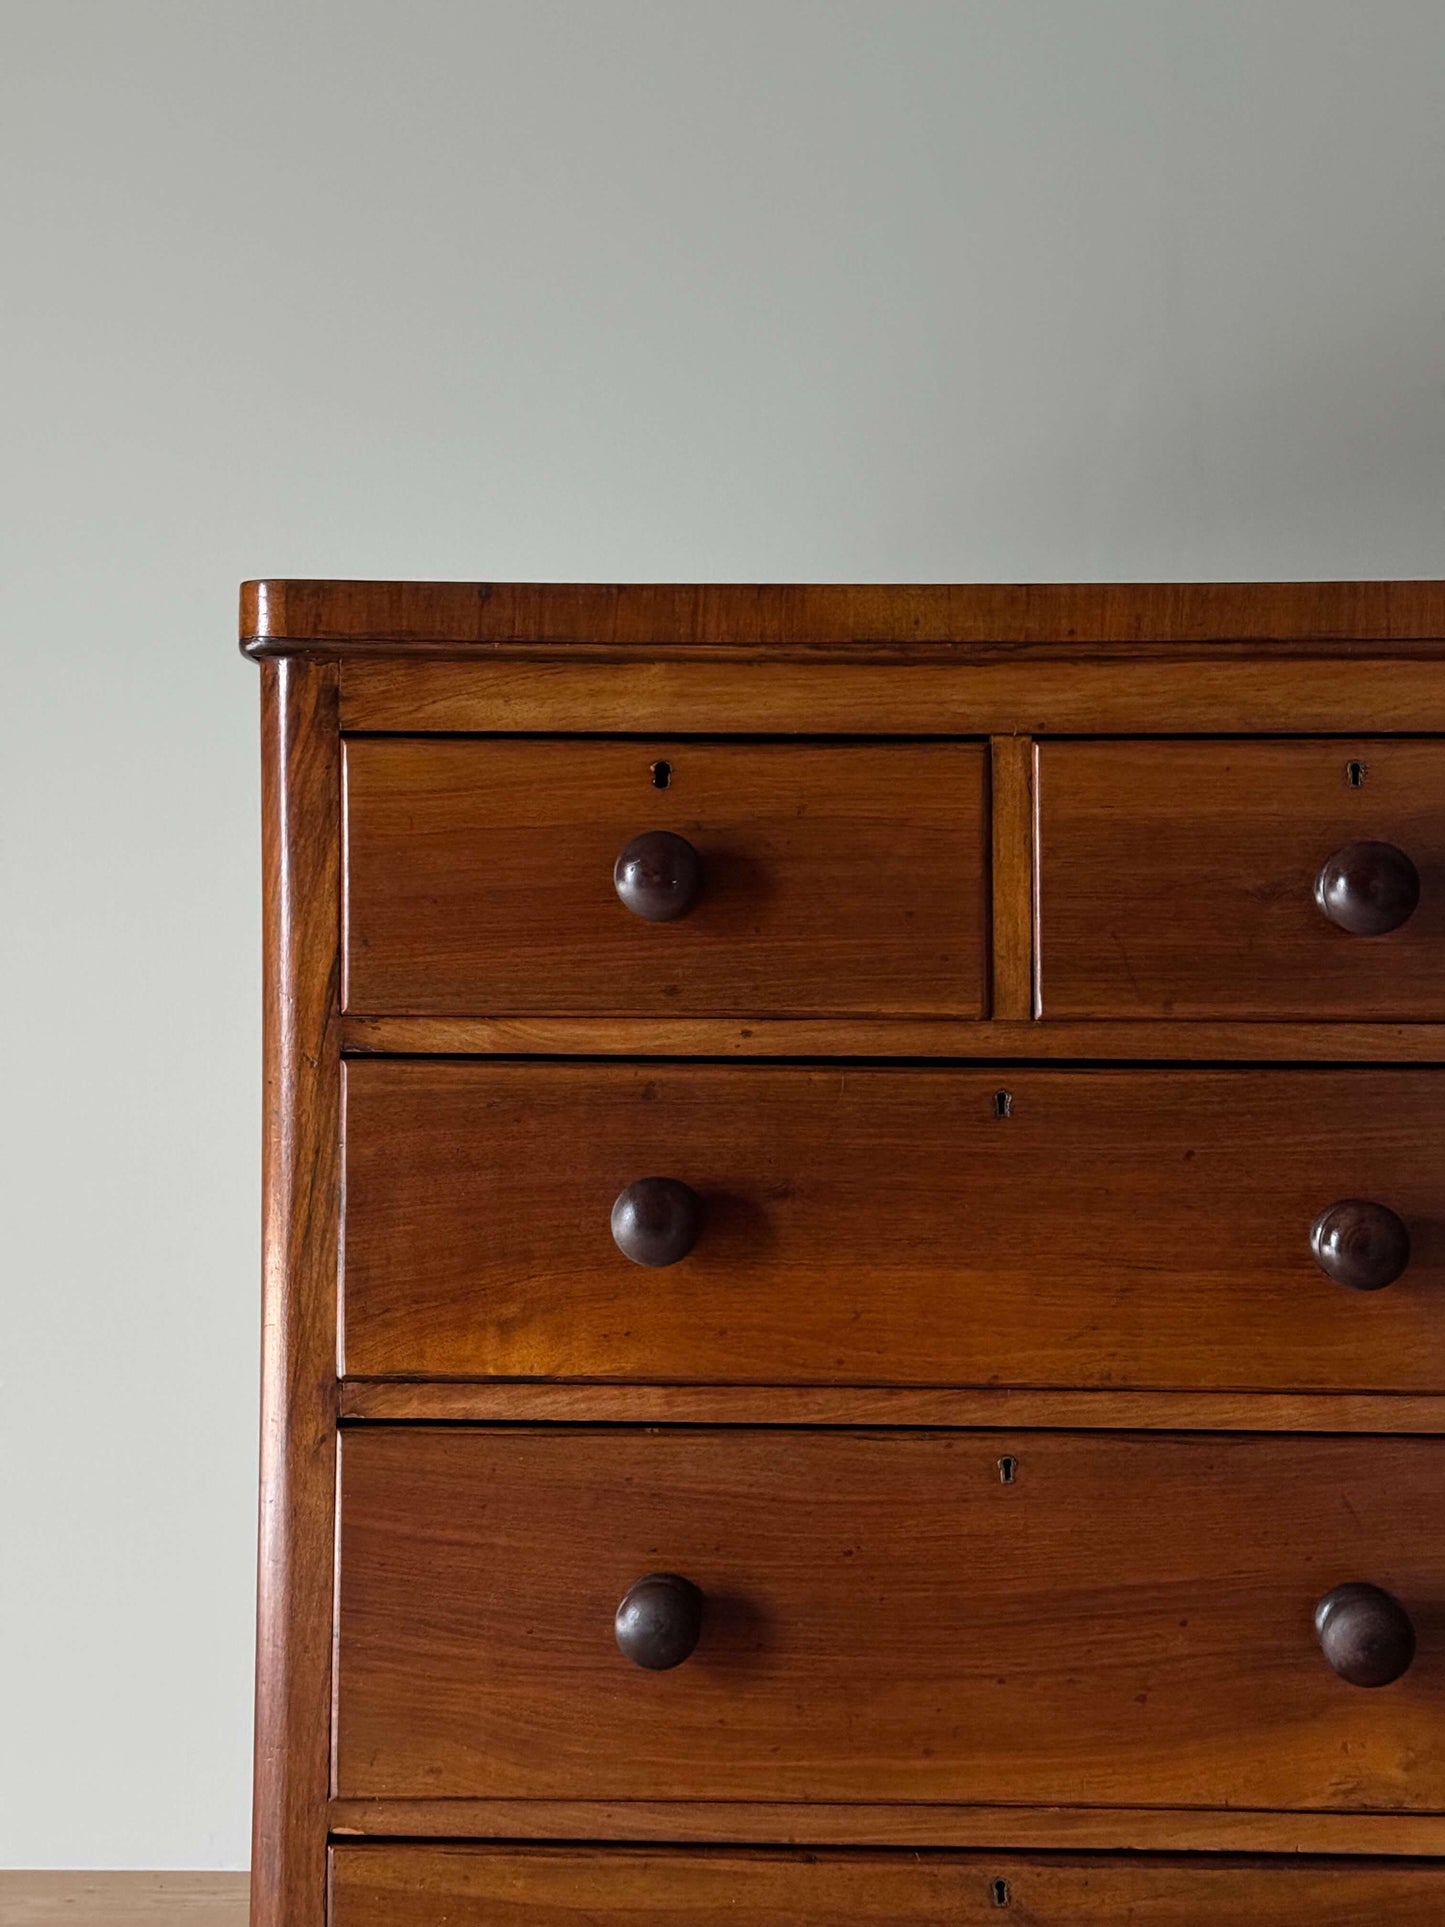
[1209, 690]
[439, 1886]
[817, 1823]
[542, 1401]
[836, 879]
[1100, 1186]
[404, 616]
[1033, 1228]
[1178, 879]
[1149, 1041]
[301, 1192]
[1011, 801]
[1047, 1618]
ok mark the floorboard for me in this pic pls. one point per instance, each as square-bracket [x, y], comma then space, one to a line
[123, 1899]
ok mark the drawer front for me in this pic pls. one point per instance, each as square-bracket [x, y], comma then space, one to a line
[435, 1886]
[831, 879]
[1127, 1621]
[862, 1226]
[1179, 879]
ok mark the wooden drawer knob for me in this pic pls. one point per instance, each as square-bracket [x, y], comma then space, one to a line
[1365, 1634]
[659, 1621]
[658, 876]
[656, 1221]
[1368, 888]
[1360, 1244]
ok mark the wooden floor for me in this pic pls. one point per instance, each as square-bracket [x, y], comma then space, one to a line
[123, 1899]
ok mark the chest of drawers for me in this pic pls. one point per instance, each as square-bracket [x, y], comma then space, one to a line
[855, 1243]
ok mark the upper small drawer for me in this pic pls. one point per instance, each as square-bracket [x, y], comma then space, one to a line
[1184, 879]
[482, 878]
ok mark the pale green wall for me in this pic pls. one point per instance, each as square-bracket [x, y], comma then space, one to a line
[555, 288]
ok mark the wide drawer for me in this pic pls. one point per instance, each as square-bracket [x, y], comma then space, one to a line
[483, 1886]
[832, 879]
[863, 1226]
[1045, 1619]
[1179, 879]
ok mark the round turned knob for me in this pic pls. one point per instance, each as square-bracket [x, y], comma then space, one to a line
[1368, 888]
[658, 876]
[656, 1221]
[1360, 1244]
[659, 1621]
[1365, 1634]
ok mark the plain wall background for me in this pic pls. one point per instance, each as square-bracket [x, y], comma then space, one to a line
[570, 289]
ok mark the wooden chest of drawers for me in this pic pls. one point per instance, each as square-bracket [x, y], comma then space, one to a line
[855, 1245]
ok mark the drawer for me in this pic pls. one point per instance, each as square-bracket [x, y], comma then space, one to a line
[825, 879]
[1179, 879]
[1126, 1621]
[483, 1886]
[1138, 1228]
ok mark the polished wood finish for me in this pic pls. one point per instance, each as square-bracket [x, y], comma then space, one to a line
[840, 879]
[658, 876]
[1368, 889]
[406, 618]
[1360, 1244]
[1178, 879]
[124, 1899]
[424, 1886]
[816, 1823]
[1210, 691]
[1151, 1041]
[300, 770]
[989, 861]
[659, 1621]
[1366, 1635]
[1011, 796]
[870, 1226]
[656, 1221]
[890, 1615]
[535, 1402]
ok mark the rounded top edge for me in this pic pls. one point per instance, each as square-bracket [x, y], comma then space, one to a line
[279, 614]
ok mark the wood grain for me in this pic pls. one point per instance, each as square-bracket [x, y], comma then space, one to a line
[1204, 691]
[301, 1189]
[422, 1886]
[1011, 813]
[123, 1899]
[402, 616]
[939, 1038]
[537, 1402]
[836, 879]
[897, 1824]
[1176, 880]
[1123, 1661]
[886, 1618]
[1118, 1229]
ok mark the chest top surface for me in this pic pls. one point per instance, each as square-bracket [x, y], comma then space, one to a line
[429, 617]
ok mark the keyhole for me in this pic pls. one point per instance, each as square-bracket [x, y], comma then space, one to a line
[1003, 1103]
[1007, 1470]
[1354, 774]
[1000, 1892]
[661, 775]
